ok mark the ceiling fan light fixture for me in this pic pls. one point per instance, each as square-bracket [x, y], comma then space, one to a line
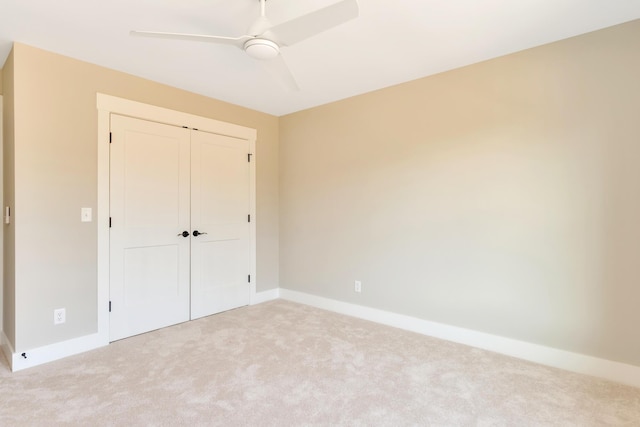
[261, 49]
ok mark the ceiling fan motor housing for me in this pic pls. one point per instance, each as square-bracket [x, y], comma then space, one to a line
[261, 48]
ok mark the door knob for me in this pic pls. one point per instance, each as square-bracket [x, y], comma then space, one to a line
[184, 234]
[197, 233]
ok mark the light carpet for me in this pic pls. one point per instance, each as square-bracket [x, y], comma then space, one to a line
[286, 364]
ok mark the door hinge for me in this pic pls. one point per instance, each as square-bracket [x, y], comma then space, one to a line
[249, 278]
[109, 306]
[249, 218]
[249, 157]
[109, 222]
[110, 136]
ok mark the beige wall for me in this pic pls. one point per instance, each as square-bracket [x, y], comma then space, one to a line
[55, 175]
[502, 197]
[8, 231]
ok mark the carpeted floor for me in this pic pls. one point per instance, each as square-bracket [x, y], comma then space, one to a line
[285, 364]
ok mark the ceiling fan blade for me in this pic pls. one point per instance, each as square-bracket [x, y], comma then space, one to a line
[298, 29]
[279, 70]
[233, 41]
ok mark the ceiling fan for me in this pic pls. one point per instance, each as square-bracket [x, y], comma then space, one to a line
[264, 40]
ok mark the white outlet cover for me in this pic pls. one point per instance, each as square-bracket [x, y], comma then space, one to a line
[59, 316]
[358, 286]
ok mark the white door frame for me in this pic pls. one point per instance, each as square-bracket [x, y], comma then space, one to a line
[107, 105]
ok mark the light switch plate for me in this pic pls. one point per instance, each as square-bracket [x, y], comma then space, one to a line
[85, 214]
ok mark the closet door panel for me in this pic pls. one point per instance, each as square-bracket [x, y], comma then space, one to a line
[220, 224]
[149, 209]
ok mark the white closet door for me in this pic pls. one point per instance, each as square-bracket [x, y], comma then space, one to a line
[220, 197]
[149, 209]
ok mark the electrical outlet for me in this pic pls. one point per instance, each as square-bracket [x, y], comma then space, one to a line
[59, 316]
[357, 286]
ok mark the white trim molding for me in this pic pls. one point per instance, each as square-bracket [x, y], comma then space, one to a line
[575, 362]
[49, 353]
[127, 107]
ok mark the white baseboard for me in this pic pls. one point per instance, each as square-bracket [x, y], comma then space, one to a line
[49, 353]
[7, 349]
[264, 296]
[588, 365]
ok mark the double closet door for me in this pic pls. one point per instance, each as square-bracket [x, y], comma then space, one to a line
[179, 235]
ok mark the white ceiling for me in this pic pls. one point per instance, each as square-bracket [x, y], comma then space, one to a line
[390, 43]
